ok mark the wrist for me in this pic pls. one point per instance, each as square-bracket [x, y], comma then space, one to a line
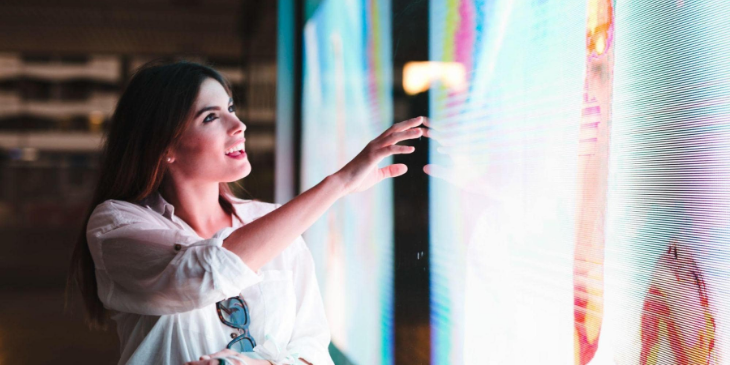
[336, 183]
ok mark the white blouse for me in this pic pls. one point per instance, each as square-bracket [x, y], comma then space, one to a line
[161, 281]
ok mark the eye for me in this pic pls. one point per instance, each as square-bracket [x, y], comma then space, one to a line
[209, 118]
[232, 108]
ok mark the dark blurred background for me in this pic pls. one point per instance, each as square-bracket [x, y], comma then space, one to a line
[62, 68]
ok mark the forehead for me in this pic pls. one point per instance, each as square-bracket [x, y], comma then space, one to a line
[211, 92]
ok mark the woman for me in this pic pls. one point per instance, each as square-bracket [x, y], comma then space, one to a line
[189, 272]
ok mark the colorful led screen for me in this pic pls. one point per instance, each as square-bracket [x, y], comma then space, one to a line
[580, 204]
[347, 102]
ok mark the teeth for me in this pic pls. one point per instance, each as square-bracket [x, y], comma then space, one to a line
[238, 147]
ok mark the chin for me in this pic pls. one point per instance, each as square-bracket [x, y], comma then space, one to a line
[244, 172]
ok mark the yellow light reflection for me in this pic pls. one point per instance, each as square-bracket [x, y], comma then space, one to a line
[418, 76]
[96, 119]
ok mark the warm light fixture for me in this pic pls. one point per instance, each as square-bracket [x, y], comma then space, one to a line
[418, 76]
[96, 119]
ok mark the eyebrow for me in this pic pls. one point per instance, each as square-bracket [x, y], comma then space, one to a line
[201, 111]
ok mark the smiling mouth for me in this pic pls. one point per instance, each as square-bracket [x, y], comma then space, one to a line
[235, 154]
[235, 150]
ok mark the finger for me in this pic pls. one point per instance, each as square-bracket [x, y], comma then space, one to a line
[428, 133]
[394, 170]
[395, 149]
[228, 352]
[427, 122]
[402, 136]
[438, 171]
[222, 353]
[406, 124]
[434, 135]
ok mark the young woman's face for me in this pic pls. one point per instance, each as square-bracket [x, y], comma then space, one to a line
[203, 153]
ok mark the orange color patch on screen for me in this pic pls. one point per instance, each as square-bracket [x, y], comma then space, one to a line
[677, 312]
[592, 186]
[599, 30]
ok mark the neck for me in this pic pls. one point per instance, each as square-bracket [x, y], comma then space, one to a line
[197, 205]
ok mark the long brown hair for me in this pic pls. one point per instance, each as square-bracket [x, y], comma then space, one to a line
[149, 118]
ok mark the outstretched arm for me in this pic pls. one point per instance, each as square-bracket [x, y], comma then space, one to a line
[260, 241]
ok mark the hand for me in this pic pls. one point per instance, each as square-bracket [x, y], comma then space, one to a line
[362, 172]
[212, 359]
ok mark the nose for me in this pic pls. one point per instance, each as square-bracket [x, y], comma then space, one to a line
[237, 126]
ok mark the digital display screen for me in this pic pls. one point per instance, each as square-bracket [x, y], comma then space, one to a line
[581, 207]
[347, 102]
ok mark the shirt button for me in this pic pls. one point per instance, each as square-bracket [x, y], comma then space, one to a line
[178, 247]
[234, 334]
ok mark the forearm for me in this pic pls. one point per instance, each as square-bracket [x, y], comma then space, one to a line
[260, 241]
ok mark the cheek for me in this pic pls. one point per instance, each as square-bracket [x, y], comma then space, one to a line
[198, 149]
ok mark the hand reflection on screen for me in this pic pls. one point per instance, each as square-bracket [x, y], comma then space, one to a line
[457, 166]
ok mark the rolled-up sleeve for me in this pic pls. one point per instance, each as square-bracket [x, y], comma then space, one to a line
[311, 336]
[144, 267]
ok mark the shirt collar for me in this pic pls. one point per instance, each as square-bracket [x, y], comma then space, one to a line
[157, 203]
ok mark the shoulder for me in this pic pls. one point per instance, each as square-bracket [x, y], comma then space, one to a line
[120, 206]
[114, 213]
